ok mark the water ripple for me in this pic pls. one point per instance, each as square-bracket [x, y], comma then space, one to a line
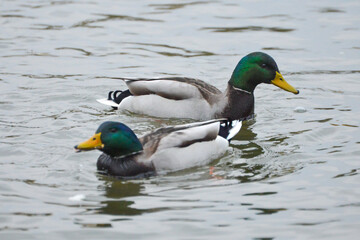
[86, 53]
[331, 10]
[319, 72]
[109, 17]
[15, 16]
[247, 29]
[183, 52]
[348, 174]
[174, 6]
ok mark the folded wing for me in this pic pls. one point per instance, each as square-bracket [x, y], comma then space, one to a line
[176, 88]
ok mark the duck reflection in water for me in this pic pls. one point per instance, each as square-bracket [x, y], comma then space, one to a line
[259, 158]
[245, 141]
[115, 192]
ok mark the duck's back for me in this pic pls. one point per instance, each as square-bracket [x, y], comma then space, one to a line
[177, 88]
[172, 98]
[180, 147]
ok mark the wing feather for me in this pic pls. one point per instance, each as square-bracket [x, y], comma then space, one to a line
[180, 136]
[185, 137]
[172, 88]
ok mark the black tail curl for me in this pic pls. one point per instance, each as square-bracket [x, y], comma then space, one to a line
[225, 127]
[116, 97]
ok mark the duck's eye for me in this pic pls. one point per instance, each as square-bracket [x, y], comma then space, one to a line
[113, 130]
[263, 65]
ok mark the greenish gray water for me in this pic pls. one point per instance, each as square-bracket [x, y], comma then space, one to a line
[289, 175]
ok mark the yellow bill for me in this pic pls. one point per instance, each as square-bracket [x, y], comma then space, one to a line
[280, 82]
[93, 143]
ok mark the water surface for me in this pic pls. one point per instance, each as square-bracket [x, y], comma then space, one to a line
[289, 174]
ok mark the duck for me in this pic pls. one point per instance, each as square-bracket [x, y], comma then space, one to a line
[164, 150]
[182, 97]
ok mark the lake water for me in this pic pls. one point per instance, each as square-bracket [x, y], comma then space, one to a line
[292, 173]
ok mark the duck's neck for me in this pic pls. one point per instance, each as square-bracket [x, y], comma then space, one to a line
[244, 77]
[128, 146]
[240, 104]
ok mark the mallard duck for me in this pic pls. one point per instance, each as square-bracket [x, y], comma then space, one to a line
[178, 97]
[166, 149]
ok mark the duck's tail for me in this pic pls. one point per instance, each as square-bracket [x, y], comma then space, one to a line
[229, 128]
[114, 98]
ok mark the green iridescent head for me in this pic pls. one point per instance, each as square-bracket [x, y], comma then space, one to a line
[113, 138]
[256, 68]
